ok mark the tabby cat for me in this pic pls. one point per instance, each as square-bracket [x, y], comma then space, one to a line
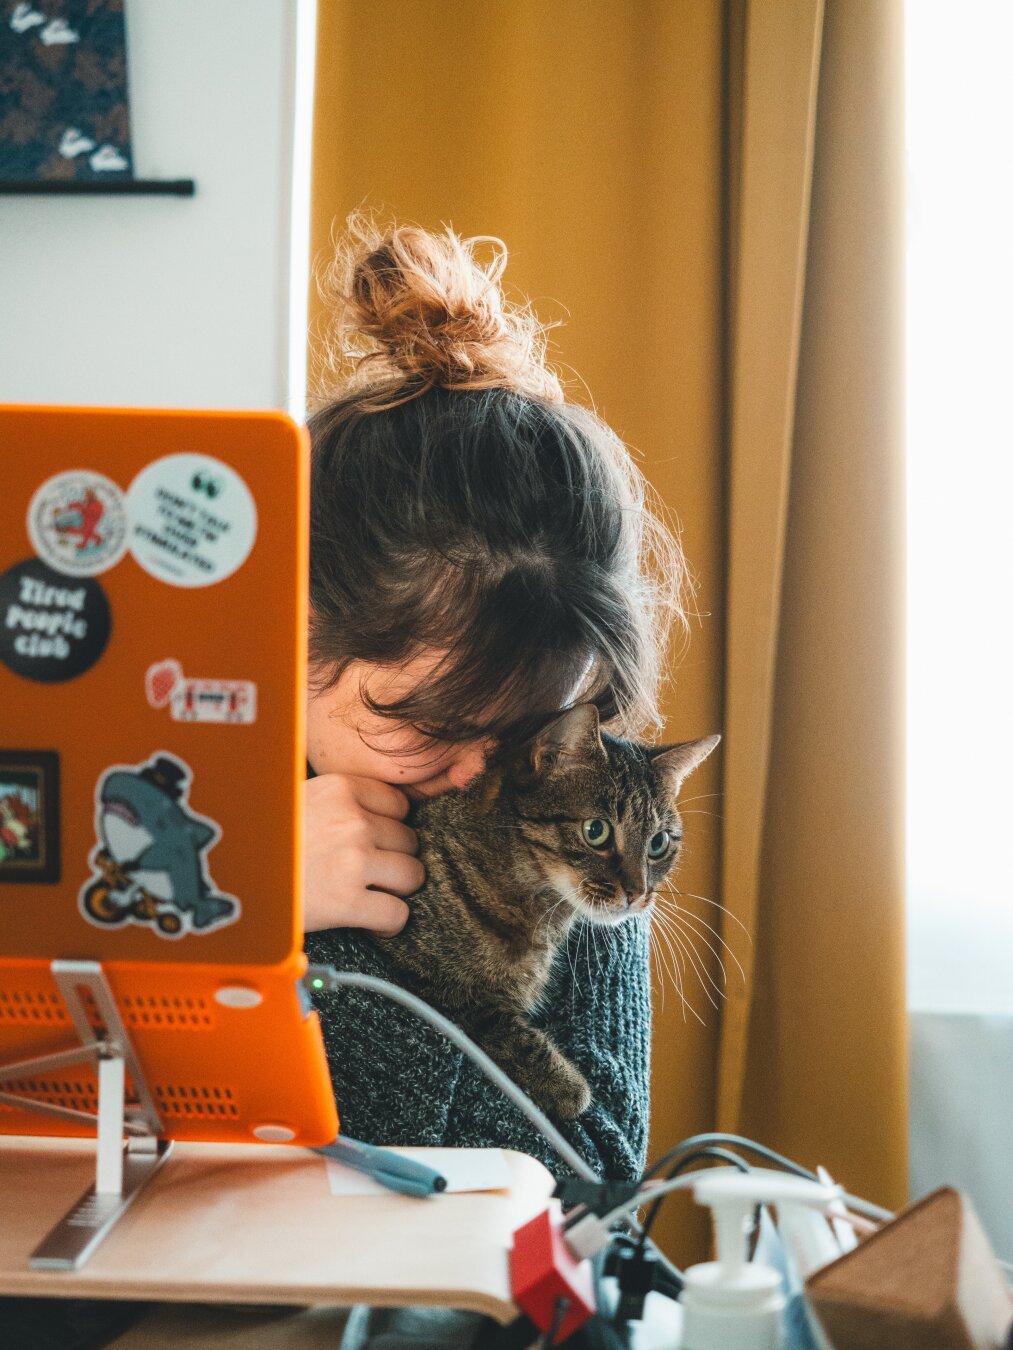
[577, 823]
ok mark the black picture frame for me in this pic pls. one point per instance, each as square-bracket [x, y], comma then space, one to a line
[29, 816]
[63, 70]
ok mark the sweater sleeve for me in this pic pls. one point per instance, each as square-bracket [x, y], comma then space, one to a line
[398, 1081]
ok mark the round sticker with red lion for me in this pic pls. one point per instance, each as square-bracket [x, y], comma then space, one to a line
[77, 523]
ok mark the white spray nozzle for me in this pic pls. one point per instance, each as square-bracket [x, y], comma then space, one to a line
[732, 1197]
[732, 1303]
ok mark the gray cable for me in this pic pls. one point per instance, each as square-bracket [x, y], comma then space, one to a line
[333, 978]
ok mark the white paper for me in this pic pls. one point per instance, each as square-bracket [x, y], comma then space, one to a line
[466, 1169]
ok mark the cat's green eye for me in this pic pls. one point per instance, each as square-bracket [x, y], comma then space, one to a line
[659, 845]
[597, 832]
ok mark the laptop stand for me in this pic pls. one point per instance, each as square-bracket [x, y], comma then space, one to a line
[121, 1171]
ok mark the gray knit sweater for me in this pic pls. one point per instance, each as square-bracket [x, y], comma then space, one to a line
[399, 1081]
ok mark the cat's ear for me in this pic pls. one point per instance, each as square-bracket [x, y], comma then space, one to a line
[574, 738]
[675, 763]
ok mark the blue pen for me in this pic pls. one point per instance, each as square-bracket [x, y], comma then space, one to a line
[389, 1169]
[406, 1186]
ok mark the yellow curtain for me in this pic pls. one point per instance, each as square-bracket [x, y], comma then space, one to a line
[814, 789]
[627, 154]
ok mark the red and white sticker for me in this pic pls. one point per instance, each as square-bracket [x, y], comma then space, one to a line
[192, 699]
[77, 522]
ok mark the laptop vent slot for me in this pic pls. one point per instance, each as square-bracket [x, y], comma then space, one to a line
[181, 1014]
[48, 1009]
[27, 1006]
[77, 1096]
[207, 1102]
[175, 1100]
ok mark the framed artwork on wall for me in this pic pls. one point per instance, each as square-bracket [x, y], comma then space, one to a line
[63, 91]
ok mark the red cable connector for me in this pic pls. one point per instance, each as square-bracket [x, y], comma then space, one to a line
[542, 1270]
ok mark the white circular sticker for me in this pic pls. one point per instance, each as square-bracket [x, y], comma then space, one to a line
[77, 522]
[192, 520]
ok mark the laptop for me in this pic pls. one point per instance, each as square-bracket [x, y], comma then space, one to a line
[153, 593]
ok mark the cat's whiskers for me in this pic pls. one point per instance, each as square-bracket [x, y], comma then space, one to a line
[613, 940]
[590, 937]
[699, 965]
[600, 926]
[688, 935]
[546, 917]
[677, 972]
[681, 919]
[678, 965]
[687, 917]
[582, 926]
[673, 890]
[662, 930]
[572, 963]
[609, 941]
[658, 953]
[595, 930]
[586, 935]
[685, 941]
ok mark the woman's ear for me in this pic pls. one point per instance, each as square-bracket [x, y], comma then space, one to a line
[674, 763]
[569, 740]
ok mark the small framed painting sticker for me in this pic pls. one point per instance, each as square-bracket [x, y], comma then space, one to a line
[29, 815]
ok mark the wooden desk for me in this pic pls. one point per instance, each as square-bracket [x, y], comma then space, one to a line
[258, 1224]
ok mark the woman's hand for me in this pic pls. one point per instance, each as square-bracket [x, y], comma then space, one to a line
[359, 855]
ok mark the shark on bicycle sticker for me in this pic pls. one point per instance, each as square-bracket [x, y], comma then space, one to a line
[149, 864]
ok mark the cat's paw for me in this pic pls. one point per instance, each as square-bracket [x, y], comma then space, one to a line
[567, 1093]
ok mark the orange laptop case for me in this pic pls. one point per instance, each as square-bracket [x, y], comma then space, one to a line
[153, 581]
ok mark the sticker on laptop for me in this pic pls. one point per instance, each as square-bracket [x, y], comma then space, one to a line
[193, 520]
[52, 628]
[77, 522]
[199, 700]
[29, 815]
[149, 864]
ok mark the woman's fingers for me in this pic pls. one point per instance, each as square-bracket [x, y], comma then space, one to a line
[380, 913]
[398, 873]
[393, 835]
[380, 799]
[359, 855]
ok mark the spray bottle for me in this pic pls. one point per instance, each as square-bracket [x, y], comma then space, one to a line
[732, 1303]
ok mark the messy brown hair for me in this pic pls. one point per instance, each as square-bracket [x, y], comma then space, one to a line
[460, 506]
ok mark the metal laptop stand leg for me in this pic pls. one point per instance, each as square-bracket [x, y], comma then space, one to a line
[120, 1171]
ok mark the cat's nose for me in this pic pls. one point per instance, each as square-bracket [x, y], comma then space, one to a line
[632, 881]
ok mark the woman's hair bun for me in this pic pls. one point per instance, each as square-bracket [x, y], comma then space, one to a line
[414, 309]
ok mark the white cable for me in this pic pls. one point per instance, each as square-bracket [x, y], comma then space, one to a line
[591, 1233]
[867, 1208]
[332, 978]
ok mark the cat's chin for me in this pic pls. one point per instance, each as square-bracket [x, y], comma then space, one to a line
[604, 910]
[608, 912]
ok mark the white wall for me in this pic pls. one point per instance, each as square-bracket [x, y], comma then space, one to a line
[171, 301]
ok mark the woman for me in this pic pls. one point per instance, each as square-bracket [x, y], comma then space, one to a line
[481, 557]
